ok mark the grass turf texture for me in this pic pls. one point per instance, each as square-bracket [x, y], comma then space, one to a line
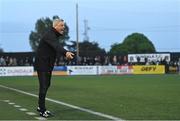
[128, 97]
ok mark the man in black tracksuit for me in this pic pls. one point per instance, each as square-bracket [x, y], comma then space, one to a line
[46, 53]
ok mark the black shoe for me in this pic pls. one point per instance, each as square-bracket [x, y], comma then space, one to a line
[44, 113]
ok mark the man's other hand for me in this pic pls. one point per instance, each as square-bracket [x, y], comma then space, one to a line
[69, 55]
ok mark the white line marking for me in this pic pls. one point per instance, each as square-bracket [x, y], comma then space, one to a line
[31, 113]
[40, 118]
[6, 101]
[23, 109]
[11, 103]
[17, 106]
[66, 104]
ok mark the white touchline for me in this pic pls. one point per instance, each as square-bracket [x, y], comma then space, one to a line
[11, 103]
[31, 113]
[23, 109]
[40, 118]
[6, 100]
[66, 104]
[17, 106]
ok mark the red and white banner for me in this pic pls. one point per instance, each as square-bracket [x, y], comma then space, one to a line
[114, 70]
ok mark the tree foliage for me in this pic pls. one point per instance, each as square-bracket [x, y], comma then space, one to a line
[1, 50]
[134, 43]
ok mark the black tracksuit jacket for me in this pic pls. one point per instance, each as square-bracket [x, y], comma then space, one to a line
[47, 50]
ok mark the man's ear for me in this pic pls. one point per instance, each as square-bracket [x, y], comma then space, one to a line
[55, 27]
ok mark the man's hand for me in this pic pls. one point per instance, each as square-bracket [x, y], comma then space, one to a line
[69, 55]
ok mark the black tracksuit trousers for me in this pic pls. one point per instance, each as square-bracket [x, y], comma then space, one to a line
[44, 84]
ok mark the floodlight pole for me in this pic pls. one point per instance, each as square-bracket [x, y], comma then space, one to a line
[77, 34]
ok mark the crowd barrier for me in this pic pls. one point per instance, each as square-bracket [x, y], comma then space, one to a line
[85, 70]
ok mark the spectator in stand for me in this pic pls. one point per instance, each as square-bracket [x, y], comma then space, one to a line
[7, 60]
[125, 60]
[14, 62]
[107, 61]
[119, 60]
[102, 60]
[2, 61]
[114, 60]
[84, 62]
[27, 63]
[138, 60]
[145, 61]
[165, 63]
[97, 60]
[88, 60]
[10, 61]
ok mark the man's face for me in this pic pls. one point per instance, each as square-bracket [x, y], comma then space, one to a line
[60, 27]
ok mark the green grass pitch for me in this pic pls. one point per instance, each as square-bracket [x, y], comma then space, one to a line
[140, 97]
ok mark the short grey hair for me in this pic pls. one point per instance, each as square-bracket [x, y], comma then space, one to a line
[56, 22]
